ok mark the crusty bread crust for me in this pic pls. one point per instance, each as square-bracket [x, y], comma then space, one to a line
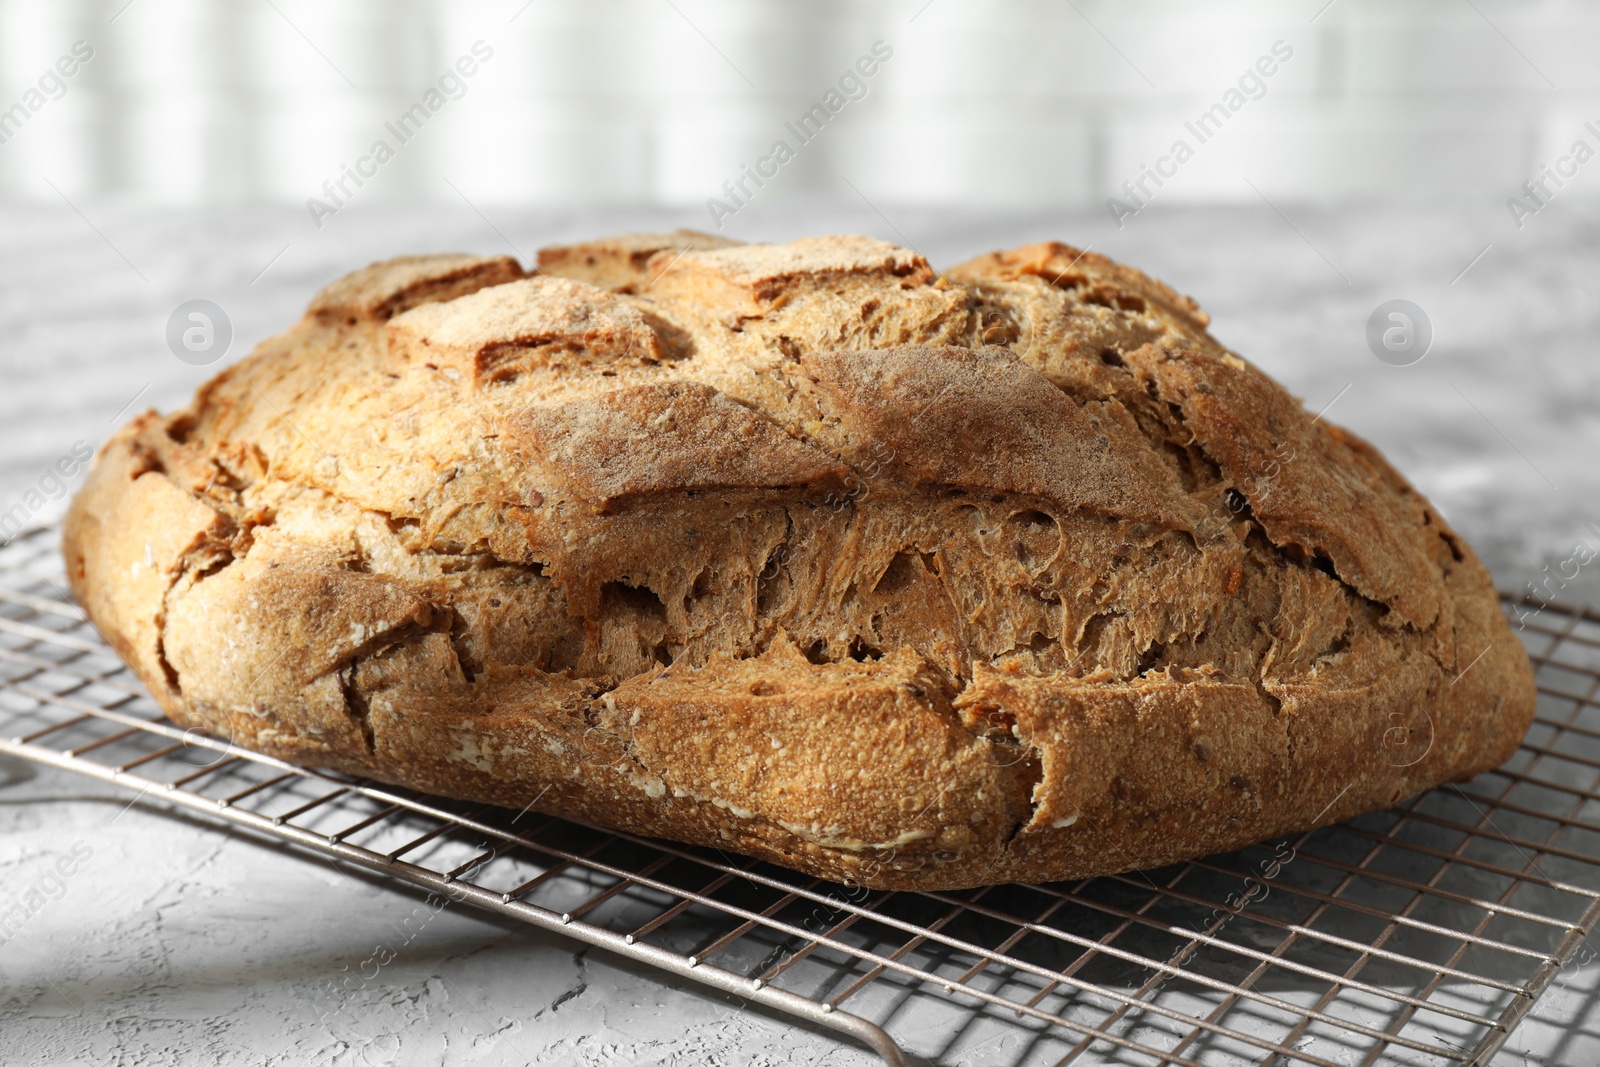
[804, 551]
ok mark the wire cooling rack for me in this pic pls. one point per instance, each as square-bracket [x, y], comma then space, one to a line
[1421, 935]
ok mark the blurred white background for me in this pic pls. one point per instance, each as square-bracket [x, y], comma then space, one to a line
[1377, 161]
[1013, 103]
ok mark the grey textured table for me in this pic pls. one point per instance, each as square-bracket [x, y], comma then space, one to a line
[175, 943]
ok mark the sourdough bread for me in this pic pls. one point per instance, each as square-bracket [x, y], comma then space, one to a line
[802, 550]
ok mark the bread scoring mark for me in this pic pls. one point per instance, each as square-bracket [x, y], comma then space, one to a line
[1092, 739]
[1333, 498]
[355, 701]
[798, 756]
[284, 595]
[383, 290]
[622, 263]
[752, 278]
[1325, 500]
[498, 333]
[897, 568]
[982, 418]
[820, 293]
[677, 436]
[1085, 277]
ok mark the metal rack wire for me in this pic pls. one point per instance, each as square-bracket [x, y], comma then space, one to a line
[1419, 935]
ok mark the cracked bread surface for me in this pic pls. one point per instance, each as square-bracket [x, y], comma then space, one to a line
[805, 551]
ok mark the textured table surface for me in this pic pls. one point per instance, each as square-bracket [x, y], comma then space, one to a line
[179, 944]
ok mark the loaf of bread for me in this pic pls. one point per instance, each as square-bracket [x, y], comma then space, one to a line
[806, 551]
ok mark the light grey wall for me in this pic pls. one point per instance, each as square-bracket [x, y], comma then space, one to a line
[657, 102]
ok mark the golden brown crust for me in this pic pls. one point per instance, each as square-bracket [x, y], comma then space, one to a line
[806, 551]
[984, 419]
[665, 437]
[623, 262]
[383, 290]
[498, 332]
